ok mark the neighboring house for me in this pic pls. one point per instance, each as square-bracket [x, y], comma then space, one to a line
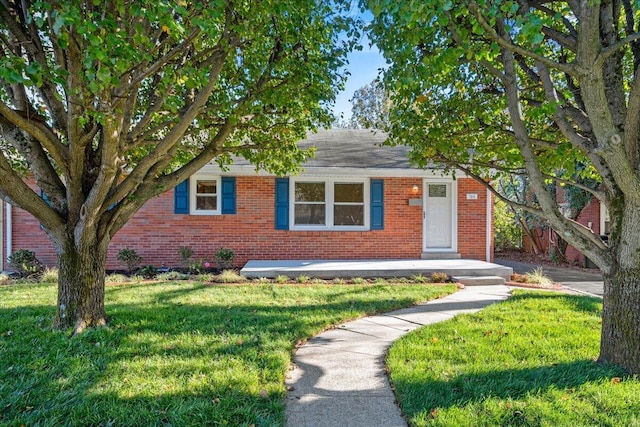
[594, 216]
[356, 199]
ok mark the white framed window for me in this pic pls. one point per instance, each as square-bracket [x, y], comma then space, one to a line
[605, 219]
[204, 194]
[329, 204]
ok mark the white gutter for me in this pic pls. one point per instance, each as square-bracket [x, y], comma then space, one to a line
[488, 237]
[9, 236]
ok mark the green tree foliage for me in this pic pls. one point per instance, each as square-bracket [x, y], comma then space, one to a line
[370, 107]
[508, 232]
[546, 90]
[112, 103]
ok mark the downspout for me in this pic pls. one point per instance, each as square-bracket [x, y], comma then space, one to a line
[488, 237]
[8, 236]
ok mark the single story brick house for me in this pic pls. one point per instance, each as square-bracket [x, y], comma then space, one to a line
[355, 200]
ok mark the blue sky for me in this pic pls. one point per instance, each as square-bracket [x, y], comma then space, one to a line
[363, 66]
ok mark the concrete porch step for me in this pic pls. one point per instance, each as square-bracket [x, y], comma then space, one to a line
[329, 269]
[479, 280]
[440, 255]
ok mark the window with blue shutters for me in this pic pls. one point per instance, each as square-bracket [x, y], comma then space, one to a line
[336, 204]
[205, 194]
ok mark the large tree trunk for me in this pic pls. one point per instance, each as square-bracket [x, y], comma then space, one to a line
[620, 339]
[81, 281]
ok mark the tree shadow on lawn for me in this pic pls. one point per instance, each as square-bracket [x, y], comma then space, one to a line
[516, 384]
[582, 303]
[171, 338]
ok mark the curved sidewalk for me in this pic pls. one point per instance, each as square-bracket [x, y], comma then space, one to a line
[339, 377]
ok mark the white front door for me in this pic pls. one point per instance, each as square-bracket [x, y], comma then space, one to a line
[439, 220]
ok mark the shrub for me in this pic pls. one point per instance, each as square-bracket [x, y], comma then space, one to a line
[4, 279]
[205, 277]
[185, 253]
[148, 271]
[281, 279]
[508, 231]
[25, 262]
[437, 277]
[230, 276]
[538, 277]
[262, 280]
[359, 281]
[303, 279]
[380, 281]
[137, 279]
[172, 275]
[419, 278]
[196, 266]
[49, 275]
[116, 278]
[518, 278]
[130, 258]
[339, 281]
[224, 258]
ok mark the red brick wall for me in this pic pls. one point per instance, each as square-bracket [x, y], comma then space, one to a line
[590, 214]
[156, 232]
[472, 220]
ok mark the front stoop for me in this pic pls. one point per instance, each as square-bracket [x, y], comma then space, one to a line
[330, 269]
[479, 280]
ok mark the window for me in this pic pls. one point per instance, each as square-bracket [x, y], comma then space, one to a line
[310, 203]
[205, 195]
[330, 204]
[348, 207]
[437, 190]
[605, 220]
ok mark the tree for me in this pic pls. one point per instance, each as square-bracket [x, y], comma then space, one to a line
[111, 103]
[370, 107]
[544, 89]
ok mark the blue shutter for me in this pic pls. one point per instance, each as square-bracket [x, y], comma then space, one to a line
[45, 198]
[282, 203]
[228, 195]
[377, 204]
[181, 198]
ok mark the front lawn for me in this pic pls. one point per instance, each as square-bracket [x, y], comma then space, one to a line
[175, 353]
[528, 361]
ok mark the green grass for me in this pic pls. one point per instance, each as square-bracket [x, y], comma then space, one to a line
[529, 361]
[176, 353]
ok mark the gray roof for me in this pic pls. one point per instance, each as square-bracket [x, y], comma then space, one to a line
[354, 148]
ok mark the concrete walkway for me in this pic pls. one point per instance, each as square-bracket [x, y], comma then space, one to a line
[339, 377]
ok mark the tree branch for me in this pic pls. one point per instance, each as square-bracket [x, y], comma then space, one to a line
[140, 76]
[39, 131]
[21, 194]
[581, 236]
[608, 51]
[512, 47]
